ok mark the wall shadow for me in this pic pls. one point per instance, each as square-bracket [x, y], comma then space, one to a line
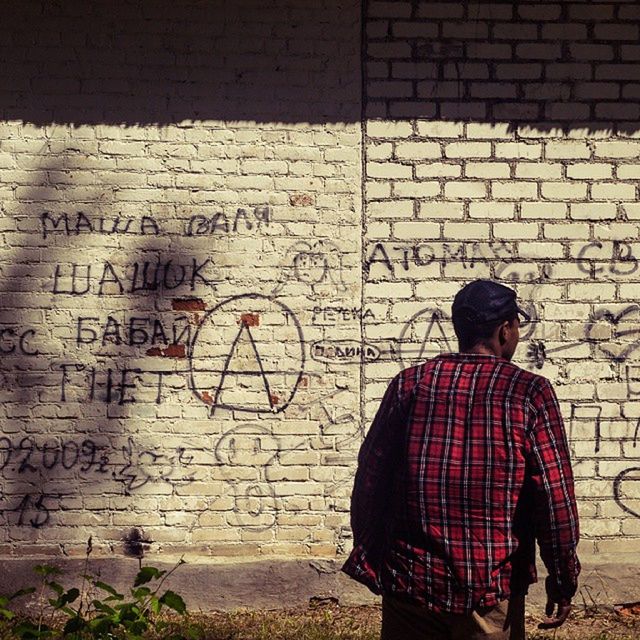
[564, 65]
[67, 421]
[546, 66]
[155, 62]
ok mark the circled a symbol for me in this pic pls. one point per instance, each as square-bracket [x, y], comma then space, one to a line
[247, 355]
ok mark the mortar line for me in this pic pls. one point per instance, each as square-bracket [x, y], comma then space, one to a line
[363, 167]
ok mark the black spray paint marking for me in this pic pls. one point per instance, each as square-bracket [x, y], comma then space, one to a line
[33, 511]
[344, 351]
[423, 336]
[272, 385]
[621, 260]
[221, 223]
[17, 340]
[632, 377]
[249, 439]
[139, 277]
[593, 258]
[111, 385]
[137, 332]
[423, 254]
[594, 416]
[135, 543]
[632, 474]
[27, 456]
[133, 465]
[317, 264]
[142, 466]
[538, 353]
[81, 223]
[331, 316]
[616, 321]
[250, 445]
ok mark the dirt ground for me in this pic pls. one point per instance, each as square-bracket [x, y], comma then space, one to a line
[331, 622]
[328, 621]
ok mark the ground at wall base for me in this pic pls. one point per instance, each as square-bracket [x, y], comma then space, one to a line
[332, 622]
[324, 620]
[281, 583]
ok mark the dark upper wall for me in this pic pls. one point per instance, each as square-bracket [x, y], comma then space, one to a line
[567, 64]
[161, 61]
[555, 64]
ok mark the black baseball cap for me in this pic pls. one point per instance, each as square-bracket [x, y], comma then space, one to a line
[485, 301]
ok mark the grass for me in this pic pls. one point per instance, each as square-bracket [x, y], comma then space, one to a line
[363, 623]
[332, 622]
[314, 623]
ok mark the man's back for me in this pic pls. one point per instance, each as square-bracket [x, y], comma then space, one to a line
[466, 452]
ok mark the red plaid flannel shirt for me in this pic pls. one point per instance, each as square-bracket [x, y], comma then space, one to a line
[465, 465]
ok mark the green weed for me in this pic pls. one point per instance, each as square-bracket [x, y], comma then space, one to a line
[95, 610]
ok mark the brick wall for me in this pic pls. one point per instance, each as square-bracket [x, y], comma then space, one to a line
[180, 193]
[200, 311]
[501, 142]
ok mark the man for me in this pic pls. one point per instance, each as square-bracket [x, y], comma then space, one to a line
[464, 467]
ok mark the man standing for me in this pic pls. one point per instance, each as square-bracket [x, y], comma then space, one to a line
[464, 467]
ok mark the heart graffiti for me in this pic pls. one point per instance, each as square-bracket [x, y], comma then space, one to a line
[625, 336]
[626, 488]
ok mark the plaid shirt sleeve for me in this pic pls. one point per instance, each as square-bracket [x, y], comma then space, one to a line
[374, 482]
[556, 517]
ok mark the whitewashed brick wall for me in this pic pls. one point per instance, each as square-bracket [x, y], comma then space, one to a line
[199, 310]
[180, 200]
[501, 142]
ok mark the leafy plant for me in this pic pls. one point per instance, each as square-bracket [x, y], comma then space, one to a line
[96, 609]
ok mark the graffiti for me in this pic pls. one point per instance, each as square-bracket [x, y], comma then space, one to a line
[247, 444]
[111, 385]
[219, 223]
[317, 264]
[330, 316]
[17, 340]
[240, 377]
[344, 351]
[616, 335]
[250, 445]
[423, 254]
[108, 279]
[27, 456]
[632, 378]
[247, 354]
[142, 466]
[538, 353]
[606, 329]
[626, 491]
[594, 259]
[590, 415]
[33, 511]
[137, 332]
[423, 336]
[132, 465]
[619, 258]
[80, 223]
[329, 424]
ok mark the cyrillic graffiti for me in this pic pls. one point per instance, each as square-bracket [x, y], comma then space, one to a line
[139, 277]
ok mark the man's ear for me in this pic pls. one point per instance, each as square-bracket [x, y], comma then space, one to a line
[503, 332]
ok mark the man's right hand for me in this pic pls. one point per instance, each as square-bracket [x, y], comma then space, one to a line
[555, 617]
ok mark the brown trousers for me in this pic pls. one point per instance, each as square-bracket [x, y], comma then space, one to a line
[405, 621]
